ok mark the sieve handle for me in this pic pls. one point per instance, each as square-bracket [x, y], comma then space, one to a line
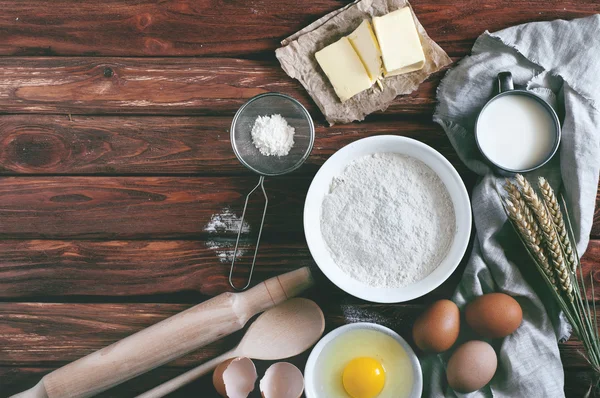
[237, 242]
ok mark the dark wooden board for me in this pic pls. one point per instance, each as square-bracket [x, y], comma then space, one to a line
[43, 336]
[59, 145]
[52, 334]
[177, 271]
[117, 145]
[18, 379]
[156, 271]
[165, 86]
[143, 207]
[115, 155]
[204, 27]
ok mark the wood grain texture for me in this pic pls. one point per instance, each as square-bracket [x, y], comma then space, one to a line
[165, 86]
[51, 144]
[143, 207]
[182, 271]
[222, 28]
[170, 117]
[173, 271]
[52, 334]
[196, 327]
[17, 379]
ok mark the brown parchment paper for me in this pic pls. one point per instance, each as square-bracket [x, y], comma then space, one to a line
[297, 58]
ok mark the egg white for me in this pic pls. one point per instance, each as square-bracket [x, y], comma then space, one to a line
[363, 343]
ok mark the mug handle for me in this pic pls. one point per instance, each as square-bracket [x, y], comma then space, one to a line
[505, 82]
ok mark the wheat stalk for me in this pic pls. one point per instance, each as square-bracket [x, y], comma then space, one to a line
[547, 233]
[551, 240]
[559, 223]
[521, 216]
[517, 198]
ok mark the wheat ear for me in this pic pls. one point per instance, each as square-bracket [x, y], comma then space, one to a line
[559, 223]
[522, 218]
[517, 198]
[549, 233]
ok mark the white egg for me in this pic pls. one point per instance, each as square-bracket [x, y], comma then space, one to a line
[363, 343]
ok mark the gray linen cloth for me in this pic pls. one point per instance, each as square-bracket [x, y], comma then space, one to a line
[560, 61]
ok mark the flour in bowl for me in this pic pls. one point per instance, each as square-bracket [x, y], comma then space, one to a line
[388, 220]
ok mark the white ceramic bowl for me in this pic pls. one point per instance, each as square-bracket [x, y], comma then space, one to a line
[335, 165]
[309, 371]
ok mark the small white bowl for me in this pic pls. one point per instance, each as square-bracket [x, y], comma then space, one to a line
[335, 165]
[309, 371]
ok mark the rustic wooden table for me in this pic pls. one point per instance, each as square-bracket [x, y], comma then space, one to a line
[119, 190]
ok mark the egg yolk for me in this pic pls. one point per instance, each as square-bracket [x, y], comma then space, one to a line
[363, 378]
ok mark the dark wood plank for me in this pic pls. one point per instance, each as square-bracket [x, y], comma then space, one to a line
[14, 380]
[155, 28]
[52, 144]
[183, 271]
[174, 271]
[72, 330]
[142, 207]
[166, 86]
[49, 334]
[205, 27]
[133, 268]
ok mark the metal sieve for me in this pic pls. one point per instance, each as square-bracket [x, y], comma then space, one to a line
[268, 166]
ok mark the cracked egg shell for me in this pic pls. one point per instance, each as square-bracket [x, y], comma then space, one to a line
[235, 377]
[282, 380]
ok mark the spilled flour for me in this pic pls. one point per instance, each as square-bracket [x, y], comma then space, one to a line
[226, 222]
[388, 220]
[224, 250]
[353, 314]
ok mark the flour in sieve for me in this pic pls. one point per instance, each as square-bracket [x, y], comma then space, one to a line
[388, 220]
[272, 135]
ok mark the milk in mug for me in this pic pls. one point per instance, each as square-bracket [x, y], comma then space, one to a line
[516, 132]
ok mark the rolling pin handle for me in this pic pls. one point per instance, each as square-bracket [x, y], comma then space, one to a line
[169, 339]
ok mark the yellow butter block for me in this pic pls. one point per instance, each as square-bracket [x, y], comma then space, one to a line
[365, 44]
[343, 67]
[399, 41]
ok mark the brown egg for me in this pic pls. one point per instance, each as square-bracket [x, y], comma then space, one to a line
[494, 315]
[471, 367]
[437, 328]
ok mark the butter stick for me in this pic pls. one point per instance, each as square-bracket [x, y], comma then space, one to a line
[399, 41]
[344, 69]
[365, 44]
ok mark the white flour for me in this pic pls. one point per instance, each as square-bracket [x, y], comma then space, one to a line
[388, 220]
[226, 222]
[272, 135]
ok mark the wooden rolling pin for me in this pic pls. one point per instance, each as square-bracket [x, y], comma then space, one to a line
[167, 340]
